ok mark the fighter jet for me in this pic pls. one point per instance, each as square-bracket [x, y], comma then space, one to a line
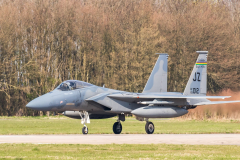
[85, 101]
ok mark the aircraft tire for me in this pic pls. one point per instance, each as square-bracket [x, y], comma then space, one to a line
[117, 127]
[84, 131]
[149, 128]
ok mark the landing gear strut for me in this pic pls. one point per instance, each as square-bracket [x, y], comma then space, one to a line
[149, 127]
[117, 126]
[84, 119]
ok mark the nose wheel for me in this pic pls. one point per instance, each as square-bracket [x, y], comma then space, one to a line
[149, 128]
[85, 130]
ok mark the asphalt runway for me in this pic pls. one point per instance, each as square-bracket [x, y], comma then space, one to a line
[193, 139]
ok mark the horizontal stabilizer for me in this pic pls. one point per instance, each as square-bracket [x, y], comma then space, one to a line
[155, 102]
[215, 102]
[182, 97]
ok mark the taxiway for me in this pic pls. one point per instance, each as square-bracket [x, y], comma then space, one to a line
[192, 139]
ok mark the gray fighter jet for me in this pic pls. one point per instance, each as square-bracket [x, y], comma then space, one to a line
[85, 101]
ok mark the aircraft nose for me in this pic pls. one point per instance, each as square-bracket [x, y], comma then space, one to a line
[41, 103]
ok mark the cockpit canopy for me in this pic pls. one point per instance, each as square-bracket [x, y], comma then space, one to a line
[72, 85]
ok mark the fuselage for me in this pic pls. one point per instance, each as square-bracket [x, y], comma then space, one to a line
[82, 96]
[71, 100]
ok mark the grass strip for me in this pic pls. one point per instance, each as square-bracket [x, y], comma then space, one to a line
[116, 151]
[62, 125]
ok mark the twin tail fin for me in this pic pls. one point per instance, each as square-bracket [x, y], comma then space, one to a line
[197, 83]
[157, 81]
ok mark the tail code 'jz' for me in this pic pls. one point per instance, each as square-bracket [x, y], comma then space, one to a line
[197, 83]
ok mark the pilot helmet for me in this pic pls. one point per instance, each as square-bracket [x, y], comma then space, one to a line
[69, 86]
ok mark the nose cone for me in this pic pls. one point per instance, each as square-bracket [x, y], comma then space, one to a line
[41, 103]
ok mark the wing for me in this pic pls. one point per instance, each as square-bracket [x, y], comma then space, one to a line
[110, 104]
[168, 99]
[121, 101]
[99, 101]
[157, 96]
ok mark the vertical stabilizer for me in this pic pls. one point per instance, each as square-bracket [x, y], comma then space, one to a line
[157, 81]
[197, 83]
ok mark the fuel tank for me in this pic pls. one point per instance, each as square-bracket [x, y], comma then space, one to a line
[75, 115]
[159, 112]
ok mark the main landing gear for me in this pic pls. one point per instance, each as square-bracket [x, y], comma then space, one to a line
[84, 119]
[117, 126]
[149, 127]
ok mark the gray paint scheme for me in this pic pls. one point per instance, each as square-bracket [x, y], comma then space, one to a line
[157, 81]
[159, 112]
[105, 102]
[197, 83]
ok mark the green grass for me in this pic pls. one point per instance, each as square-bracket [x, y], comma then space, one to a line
[114, 151]
[63, 125]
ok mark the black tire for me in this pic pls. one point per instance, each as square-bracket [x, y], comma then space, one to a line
[117, 127]
[84, 131]
[149, 128]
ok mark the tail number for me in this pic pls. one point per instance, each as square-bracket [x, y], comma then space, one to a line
[194, 90]
[197, 77]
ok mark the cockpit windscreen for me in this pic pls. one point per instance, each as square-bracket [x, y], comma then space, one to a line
[72, 85]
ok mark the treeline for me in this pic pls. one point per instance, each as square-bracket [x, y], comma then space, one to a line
[112, 42]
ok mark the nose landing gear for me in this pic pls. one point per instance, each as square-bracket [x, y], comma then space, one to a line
[84, 119]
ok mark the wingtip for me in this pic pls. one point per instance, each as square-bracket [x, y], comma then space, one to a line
[226, 97]
[162, 53]
[202, 52]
